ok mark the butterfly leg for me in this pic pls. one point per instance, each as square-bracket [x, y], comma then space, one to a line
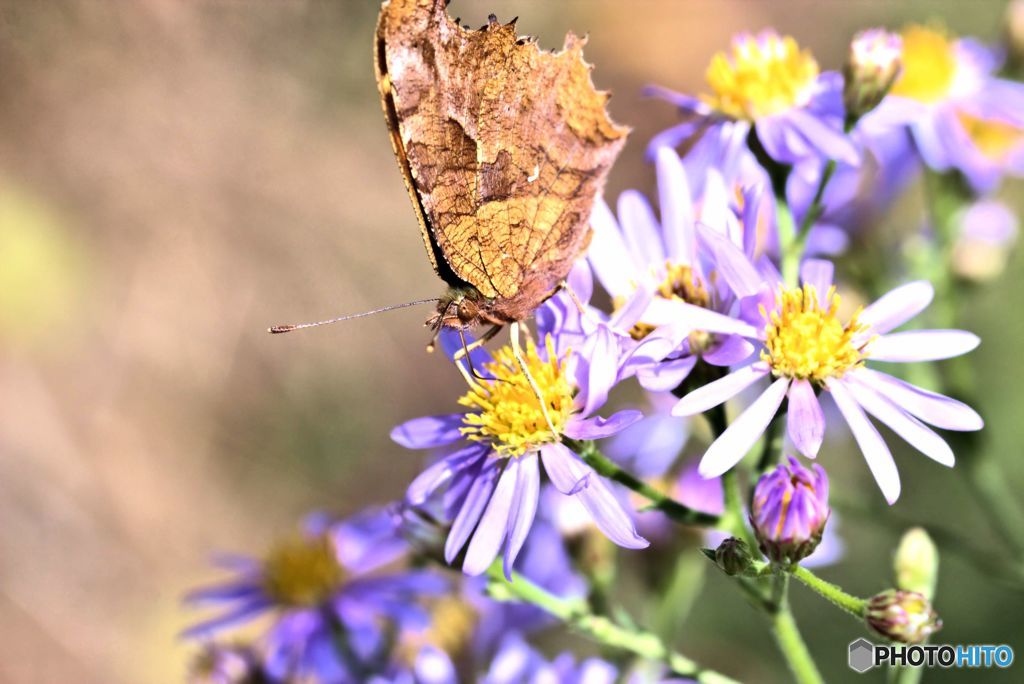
[484, 339]
[466, 349]
[517, 352]
[573, 296]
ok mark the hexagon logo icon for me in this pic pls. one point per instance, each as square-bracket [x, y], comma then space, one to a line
[862, 655]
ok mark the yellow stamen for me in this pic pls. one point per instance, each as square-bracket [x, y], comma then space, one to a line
[505, 411]
[302, 571]
[681, 284]
[994, 139]
[929, 65]
[762, 75]
[805, 340]
[452, 624]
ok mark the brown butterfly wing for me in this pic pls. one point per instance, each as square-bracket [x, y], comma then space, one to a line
[506, 146]
[384, 86]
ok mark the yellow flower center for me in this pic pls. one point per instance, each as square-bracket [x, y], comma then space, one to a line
[805, 340]
[994, 139]
[929, 65]
[505, 411]
[302, 571]
[762, 75]
[452, 624]
[682, 284]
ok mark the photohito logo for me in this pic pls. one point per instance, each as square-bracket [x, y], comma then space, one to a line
[864, 655]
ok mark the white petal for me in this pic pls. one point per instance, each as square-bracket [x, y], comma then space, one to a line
[922, 345]
[672, 311]
[876, 453]
[931, 407]
[733, 444]
[524, 508]
[612, 262]
[719, 391]
[898, 306]
[493, 526]
[640, 228]
[907, 427]
[676, 207]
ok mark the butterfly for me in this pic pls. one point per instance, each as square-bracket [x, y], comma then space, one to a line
[503, 149]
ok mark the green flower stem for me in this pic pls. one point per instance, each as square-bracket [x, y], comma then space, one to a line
[851, 604]
[945, 197]
[790, 244]
[576, 614]
[817, 207]
[779, 175]
[906, 675]
[659, 501]
[734, 520]
[790, 643]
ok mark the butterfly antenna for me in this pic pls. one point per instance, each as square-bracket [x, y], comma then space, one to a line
[278, 329]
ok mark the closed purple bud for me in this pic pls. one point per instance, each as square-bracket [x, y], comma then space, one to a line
[873, 65]
[789, 511]
[904, 616]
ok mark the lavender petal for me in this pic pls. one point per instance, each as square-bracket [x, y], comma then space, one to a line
[876, 453]
[922, 345]
[719, 391]
[806, 421]
[733, 444]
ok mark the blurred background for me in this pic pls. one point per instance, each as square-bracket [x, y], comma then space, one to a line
[176, 176]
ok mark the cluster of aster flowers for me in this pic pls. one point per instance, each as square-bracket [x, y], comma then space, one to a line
[721, 305]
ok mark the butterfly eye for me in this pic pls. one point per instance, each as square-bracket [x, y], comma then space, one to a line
[467, 311]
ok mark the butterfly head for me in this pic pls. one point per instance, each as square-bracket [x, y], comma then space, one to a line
[461, 308]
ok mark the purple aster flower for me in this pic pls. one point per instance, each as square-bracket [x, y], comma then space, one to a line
[519, 663]
[319, 584]
[468, 627]
[493, 479]
[766, 83]
[960, 115]
[789, 511]
[687, 318]
[806, 349]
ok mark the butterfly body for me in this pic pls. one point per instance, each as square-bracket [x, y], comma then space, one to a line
[503, 149]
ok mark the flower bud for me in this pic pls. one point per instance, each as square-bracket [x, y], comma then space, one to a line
[917, 563]
[789, 511]
[987, 231]
[1015, 31]
[733, 556]
[904, 616]
[873, 65]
